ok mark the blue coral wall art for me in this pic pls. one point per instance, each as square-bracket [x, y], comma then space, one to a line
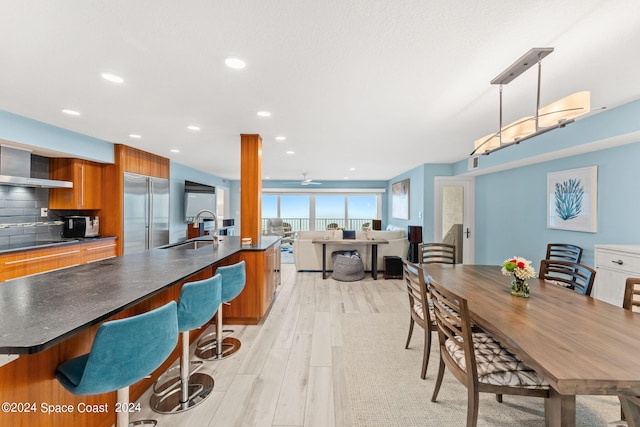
[572, 199]
[569, 195]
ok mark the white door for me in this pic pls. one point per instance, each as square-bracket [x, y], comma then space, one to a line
[454, 214]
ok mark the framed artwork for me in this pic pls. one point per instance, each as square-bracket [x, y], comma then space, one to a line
[572, 199]
[400, 199]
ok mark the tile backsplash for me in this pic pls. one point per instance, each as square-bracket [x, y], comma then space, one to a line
[20, 220]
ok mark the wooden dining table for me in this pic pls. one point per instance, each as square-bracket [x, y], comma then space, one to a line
[580, 345]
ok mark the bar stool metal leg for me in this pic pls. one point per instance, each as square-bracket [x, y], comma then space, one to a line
[198, 302]
[122, 417]
[191, 389]
[208, 348]
[216, 346]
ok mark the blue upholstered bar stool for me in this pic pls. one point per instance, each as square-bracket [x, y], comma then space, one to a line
[234, 278]
[124, 351]
[198, 302]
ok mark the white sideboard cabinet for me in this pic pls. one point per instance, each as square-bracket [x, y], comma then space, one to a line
[614, 264]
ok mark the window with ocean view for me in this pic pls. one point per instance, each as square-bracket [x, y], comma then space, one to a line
[317, 211]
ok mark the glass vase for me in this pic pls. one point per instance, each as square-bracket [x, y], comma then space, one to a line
[519, 288]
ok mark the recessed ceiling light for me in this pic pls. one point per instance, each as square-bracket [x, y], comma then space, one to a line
[193, 127]
[264, 114]
[135, 136]
[291, 152]
[112, 78]
[71, 112]
[174, 150]
[352, 169]
[235, 63]
[267, 177]
[346, 177]
[280, 138]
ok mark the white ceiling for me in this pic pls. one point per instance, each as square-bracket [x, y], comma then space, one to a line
[381, 86]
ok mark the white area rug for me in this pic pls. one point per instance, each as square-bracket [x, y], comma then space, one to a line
[385, 389]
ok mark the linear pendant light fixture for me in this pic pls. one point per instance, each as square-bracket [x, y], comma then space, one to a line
[553, 116]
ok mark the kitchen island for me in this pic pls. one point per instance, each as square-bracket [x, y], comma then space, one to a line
[52, 317]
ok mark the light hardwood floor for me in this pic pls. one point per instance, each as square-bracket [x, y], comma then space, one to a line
[289, 370]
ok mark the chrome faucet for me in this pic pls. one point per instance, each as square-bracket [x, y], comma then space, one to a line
[196, 224]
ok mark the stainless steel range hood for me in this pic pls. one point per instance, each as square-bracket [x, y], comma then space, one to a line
[15, 169]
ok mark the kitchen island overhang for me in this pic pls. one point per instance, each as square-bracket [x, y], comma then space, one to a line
[51, 317]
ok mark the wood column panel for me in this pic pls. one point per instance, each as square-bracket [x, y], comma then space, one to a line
[250, 186]
[111, 216]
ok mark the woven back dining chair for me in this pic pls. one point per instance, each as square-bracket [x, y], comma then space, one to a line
[419, 309]
[477, 359]
[440, 253]
[578, 277]
[564, 252]
[631, 300]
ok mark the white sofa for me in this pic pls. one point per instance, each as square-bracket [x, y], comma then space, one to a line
[308, 256]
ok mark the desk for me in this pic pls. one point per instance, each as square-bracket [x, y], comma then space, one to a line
[352, 242]
[580, 345]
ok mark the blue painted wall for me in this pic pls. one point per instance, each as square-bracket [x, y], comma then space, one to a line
[416, 198]
[179, 173]
[612, 123]
[31, 132]
[511, 207]
[421, 197]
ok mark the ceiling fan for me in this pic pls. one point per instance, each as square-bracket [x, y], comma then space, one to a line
[306, 181]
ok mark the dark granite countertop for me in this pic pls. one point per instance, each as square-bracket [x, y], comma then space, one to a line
[40, 311]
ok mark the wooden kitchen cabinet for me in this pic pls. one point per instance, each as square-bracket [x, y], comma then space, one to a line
[27, 263]
[270, 276]
[98, 250]
[263, 277]
[36, 261]
[87, 184]
[614, 264]
[271, 273]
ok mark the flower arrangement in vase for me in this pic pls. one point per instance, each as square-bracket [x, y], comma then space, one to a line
[521, 270]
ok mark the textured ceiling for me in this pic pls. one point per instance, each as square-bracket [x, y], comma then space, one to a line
[381, 86]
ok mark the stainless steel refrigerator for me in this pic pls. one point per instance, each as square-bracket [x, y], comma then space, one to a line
[146, 212]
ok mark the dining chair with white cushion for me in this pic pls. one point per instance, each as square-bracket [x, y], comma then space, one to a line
[419, 309]
[476, 359]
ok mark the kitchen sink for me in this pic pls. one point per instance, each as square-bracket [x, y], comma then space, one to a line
[193, 244]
